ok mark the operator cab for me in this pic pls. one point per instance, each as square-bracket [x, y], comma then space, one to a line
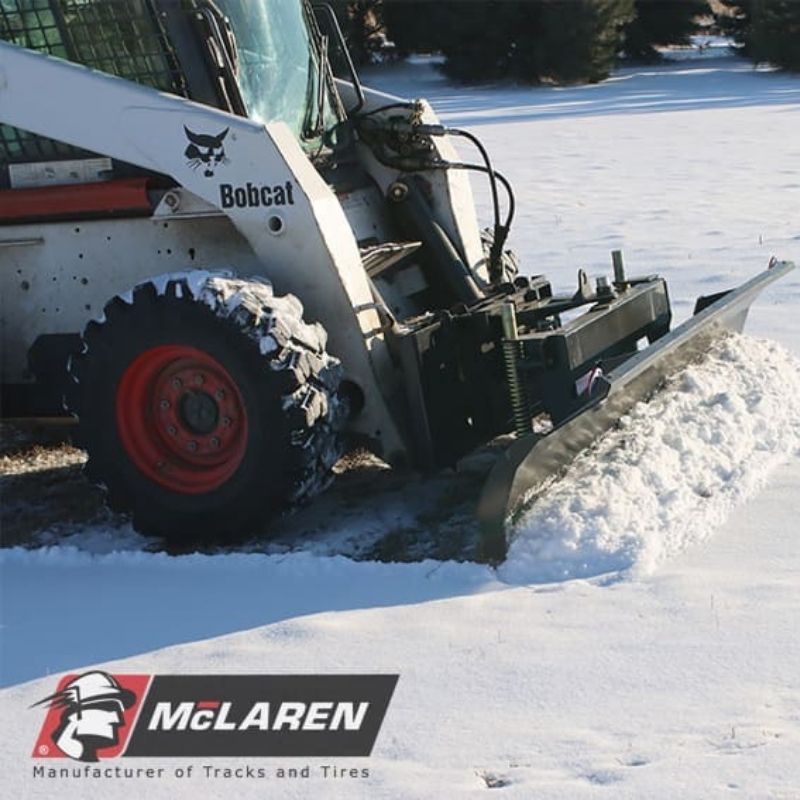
[263, 59]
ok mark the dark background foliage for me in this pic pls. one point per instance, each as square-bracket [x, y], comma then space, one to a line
[563, 41]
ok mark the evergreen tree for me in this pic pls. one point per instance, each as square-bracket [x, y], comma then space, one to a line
[415, 26]
[661, 22]
[765, 30]
[362, 24]
[775, 33]
[583, 37]
[475, 38]
[736, 23]
[530, 41]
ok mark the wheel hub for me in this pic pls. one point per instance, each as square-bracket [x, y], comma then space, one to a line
[199, 412]
[181, 418]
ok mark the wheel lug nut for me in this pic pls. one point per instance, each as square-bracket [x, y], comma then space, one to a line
[172, 430]
[191, 446]
[164, 405]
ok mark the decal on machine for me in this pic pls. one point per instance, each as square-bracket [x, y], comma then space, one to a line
[205, 151]
[253, 195]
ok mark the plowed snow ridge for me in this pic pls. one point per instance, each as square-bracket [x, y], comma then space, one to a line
[671, 473]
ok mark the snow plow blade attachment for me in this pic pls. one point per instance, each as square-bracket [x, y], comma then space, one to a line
[526, 468]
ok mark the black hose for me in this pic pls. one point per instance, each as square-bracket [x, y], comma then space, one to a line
[500, 230]
[388, 107]
[512, 205]
[492, 179]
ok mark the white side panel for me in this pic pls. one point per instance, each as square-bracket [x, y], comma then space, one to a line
[63, 281]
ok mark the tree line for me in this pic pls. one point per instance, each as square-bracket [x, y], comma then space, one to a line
[562, 41]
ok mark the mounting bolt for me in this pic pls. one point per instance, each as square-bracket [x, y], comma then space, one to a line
[226, 421]
[214, 441]
[398, 191]
[603, 287]
[276, 225]
[199, 380]
[172, 201]
[172, 430]
[191, 446]
[177, 383]
[219, 394]
[164, 404]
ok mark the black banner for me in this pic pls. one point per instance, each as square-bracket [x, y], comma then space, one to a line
[261, 715]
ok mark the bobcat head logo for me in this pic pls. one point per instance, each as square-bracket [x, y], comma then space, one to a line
[206, 151]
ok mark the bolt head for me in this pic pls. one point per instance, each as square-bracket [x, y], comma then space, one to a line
[226, 421]
[214, 441]
[164, 404]
[177, 383]
[172, 430]
[191, 446]
[199, 380]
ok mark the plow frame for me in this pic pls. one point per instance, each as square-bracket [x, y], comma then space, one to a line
[527, 467]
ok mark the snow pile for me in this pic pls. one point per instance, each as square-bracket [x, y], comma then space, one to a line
[671, 473]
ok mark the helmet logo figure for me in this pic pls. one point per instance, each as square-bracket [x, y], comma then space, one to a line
[93, 706]
[205, 150]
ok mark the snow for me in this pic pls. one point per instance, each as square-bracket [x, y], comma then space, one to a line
[641, 639]
[192, 597]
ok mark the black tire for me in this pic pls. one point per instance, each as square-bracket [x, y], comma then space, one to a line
[285, 386]
[509, 262]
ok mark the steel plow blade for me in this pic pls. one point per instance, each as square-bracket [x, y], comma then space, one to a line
[532, 462]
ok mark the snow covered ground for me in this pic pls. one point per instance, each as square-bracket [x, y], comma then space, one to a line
[641, 640]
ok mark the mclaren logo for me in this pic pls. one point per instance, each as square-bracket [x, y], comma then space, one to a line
[215, 715]
[96, 715]
[90, 716]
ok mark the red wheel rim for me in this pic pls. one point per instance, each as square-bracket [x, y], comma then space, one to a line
[181, 418]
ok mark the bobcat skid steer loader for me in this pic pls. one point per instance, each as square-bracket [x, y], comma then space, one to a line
[226, 258]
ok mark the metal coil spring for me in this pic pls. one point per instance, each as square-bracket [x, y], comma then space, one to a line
[516, 391]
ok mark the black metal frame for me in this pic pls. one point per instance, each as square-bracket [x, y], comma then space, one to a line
[604, 337]
[454, 370]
